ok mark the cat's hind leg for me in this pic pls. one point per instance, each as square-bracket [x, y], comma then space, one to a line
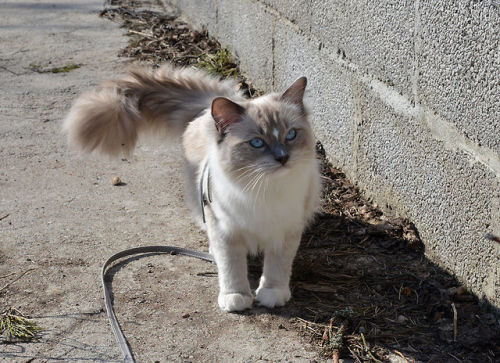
[274, 289]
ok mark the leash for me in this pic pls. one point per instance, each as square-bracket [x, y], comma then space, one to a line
[205, 198]
[115, 326]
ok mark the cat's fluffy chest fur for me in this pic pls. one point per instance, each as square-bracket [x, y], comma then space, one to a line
[260, 156]
[267, 214]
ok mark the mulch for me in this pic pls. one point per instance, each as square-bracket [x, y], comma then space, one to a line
[363, 288]
[366, 274]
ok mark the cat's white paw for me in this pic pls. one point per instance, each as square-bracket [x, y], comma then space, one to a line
[235, 301]
[271, 297]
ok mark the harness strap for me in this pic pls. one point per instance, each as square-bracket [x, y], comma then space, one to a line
[204, 188]
[115, 326]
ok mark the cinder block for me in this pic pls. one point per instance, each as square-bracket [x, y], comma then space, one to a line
[247, 29]
[451, 199]
[330, 93]
[375, 35]
[296, 11]
[459, 66]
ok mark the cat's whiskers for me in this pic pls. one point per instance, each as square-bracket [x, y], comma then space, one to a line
[256, 195]
[251, 182]
[254, 175]
[267, 182]
[244, 167]
[257, 181]
[261, 182]
[250, 175]
[248, 171]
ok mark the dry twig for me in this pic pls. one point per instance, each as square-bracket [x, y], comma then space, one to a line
[401, 355]
[17, 278]
[455, 322]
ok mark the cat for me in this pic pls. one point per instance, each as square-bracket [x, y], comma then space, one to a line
[250, 164]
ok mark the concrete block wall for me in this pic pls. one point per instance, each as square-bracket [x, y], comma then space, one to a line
[405, 97]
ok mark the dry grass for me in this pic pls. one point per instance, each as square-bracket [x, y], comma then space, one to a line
[156, 38]
[15, 327]
[47, 69]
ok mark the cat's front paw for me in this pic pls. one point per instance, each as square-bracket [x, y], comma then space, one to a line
[235, 301]
[271, 297]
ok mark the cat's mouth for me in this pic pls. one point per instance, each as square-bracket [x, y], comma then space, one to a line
[253, 174]
[256, 173]
[279, 169]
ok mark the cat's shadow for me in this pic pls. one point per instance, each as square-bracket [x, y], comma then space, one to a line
[374, 279]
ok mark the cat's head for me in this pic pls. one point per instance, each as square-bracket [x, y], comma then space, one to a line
[267, 136]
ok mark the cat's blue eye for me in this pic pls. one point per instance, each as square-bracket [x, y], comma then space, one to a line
[291, 134]
[257, 142]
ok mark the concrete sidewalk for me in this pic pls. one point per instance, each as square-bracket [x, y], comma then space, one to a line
[64, 218]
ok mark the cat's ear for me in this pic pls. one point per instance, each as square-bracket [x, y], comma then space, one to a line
[225, 112]
[295, 93]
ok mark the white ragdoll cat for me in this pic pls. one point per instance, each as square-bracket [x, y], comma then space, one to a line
[253, 159]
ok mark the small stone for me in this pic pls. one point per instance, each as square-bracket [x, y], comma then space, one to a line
[116, 180]
[402, 318]
[187, 315]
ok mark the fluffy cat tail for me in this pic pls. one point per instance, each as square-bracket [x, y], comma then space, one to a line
[110, 118]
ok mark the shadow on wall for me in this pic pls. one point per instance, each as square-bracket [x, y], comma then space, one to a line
[357, 269]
